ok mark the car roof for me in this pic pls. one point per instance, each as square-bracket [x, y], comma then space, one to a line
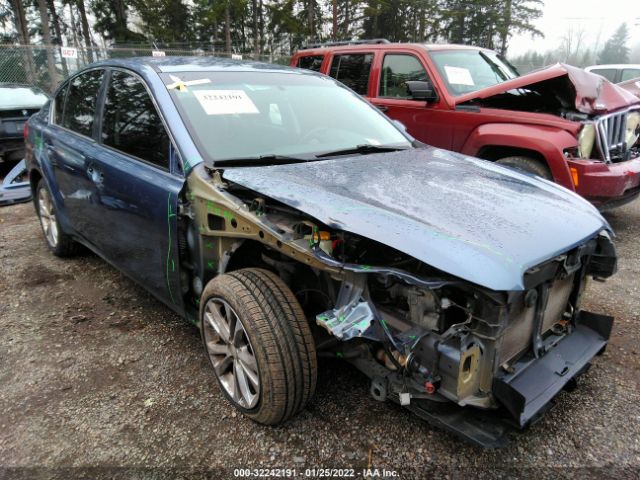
[191, 64]
[388, 46]
[614, 65]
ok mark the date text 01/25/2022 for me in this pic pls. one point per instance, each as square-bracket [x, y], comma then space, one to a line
[314, 473]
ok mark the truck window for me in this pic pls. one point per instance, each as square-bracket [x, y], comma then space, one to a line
[396, 70]
[353, 70]
[311, 62]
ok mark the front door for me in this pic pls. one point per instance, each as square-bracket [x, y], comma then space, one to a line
[430, 123]
[137, 189]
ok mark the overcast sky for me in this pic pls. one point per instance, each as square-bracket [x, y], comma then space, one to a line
[598, 18]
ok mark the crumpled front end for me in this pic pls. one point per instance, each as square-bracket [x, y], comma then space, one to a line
[442, 340]
[444, 307]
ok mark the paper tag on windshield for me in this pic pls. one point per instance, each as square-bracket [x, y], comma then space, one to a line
[225, 102]
[458, 75]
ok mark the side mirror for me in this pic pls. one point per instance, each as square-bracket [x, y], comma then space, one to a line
[420, 90]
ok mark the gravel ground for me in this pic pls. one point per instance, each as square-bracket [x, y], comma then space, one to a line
[99, 380]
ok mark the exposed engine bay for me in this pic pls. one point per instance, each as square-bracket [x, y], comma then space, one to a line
[420, 334]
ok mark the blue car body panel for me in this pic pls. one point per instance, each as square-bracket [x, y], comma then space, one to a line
[500, 224]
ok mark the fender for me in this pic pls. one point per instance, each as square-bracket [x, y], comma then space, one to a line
[547, 141]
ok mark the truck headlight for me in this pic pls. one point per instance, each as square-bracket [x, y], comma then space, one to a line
[586, 139]
[633, 129]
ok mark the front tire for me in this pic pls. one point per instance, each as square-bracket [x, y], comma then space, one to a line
[259, 343]
[61, 244]
[528, 165]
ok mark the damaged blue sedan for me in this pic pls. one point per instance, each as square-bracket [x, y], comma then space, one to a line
[291, 220]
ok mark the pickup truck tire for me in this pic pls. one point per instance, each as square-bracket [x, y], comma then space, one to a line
[61, 244]
[259, 343]
[527, 164]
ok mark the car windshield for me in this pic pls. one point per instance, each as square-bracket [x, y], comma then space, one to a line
[466, 71]
[21, 97]
[240, 115]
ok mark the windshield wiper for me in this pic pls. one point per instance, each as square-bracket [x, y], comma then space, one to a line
[361, 149]
[262, 160]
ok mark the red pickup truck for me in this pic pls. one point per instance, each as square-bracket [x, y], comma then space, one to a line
[559, 122]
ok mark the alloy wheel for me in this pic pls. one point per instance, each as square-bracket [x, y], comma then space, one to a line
[231, 353]
[47, 216]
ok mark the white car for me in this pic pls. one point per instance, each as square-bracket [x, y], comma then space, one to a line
[616, 73]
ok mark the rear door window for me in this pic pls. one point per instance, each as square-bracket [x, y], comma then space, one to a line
[353, 70]
[311, 62]
[80, 107]
[608, 73]
[629, 73]
[131, 122]
[396, 71]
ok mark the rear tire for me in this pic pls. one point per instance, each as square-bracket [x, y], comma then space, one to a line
[61, 244]
[528, 165]
[259, 343]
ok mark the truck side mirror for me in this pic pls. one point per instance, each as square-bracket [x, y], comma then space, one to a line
[421, 90]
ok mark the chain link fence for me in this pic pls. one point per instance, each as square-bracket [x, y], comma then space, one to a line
[47, 65]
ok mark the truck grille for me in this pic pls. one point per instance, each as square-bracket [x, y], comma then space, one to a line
[611, 135]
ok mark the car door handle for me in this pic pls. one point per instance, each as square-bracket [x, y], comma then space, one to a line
[382, 108]
[51, 154]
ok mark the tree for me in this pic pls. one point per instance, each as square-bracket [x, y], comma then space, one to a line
[112, 21]
[85, 29]
[616, 50]
[517, 16]
[56, 22]
[46, 37]
[488, 23]
[165, 21]
[22, 28]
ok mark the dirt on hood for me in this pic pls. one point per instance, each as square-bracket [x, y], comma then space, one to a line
[586, 92]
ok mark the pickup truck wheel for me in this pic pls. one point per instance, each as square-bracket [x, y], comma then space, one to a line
[259, 344]
[527, 164]
[61, 244]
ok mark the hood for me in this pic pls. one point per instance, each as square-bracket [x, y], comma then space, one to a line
[587, 92]
[471, 218]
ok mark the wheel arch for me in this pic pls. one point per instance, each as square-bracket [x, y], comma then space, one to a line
[500, 140]
[34, 177]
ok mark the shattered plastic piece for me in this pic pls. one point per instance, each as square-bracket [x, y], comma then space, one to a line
[405, 398]
[12, 191]
[348, 321]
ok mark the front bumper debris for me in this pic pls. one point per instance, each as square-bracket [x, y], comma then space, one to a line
[526, 391]
[15, 192]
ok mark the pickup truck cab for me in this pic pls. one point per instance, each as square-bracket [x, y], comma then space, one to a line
[560, 122]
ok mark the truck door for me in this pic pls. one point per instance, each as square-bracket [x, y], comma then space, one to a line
[429, 122]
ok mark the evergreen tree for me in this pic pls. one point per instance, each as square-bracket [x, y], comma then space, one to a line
[616, 50]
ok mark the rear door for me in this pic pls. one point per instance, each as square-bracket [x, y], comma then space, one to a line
[70, 148]
[138, 188]
[428, 122]
[353, 69]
